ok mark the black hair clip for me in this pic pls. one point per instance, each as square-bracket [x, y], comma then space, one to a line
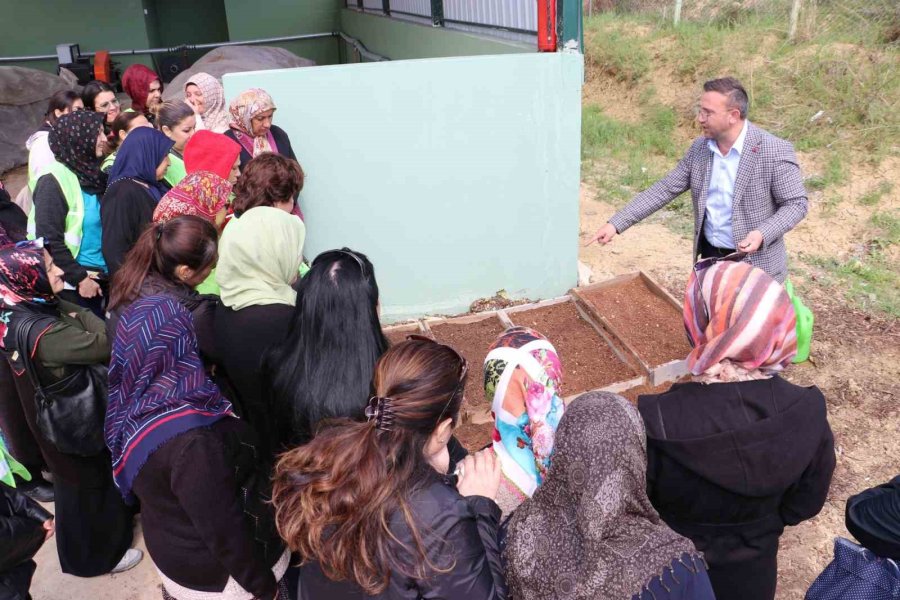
[379, 410]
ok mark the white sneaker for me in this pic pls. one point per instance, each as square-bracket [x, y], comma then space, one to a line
[129, 560]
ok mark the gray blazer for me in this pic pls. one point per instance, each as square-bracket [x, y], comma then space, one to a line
[768, 195]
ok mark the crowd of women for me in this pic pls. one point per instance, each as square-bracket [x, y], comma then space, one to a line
[277, 446]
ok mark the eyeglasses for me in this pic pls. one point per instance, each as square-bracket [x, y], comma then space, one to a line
[345, 252]
[705, 263]
[463, 371]
[108, 104]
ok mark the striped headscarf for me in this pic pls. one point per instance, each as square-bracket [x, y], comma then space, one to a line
[158, 388]
[740, 321]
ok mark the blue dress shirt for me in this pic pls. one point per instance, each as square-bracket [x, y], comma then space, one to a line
[719, 198]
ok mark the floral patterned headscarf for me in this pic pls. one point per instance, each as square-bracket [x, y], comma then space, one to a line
[243, 108]
[523, 378]
[24, 285]
[202, 194]
[23, 275]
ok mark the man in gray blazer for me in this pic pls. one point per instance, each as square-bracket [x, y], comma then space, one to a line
[745, 185]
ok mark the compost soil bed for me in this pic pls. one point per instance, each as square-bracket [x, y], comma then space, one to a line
[472, 340]
[646, 321]
[587, 361]
[645, 390]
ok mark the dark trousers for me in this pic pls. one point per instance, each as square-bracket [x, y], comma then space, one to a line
[16, 429]
[707, 250]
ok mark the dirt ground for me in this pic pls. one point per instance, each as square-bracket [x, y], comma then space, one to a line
[855, 361]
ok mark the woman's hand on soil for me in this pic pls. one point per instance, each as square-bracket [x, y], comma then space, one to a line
[480, 475]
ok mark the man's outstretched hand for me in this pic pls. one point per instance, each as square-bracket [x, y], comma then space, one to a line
[604, 235]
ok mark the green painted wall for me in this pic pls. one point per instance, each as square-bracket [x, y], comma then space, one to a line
[457, 176]
[398, 39]
[31, 27]
[273, 18]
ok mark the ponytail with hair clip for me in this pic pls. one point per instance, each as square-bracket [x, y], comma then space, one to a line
[380, 411]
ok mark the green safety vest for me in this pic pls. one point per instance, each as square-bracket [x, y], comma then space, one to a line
[176, 171]
[71, 189]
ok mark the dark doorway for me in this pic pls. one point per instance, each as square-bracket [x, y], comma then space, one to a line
[173, 23]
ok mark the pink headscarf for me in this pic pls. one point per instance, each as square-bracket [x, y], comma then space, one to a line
[751, 329]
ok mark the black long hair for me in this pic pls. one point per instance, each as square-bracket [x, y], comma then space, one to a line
[92, 90]
[60, 101]
[323, 369]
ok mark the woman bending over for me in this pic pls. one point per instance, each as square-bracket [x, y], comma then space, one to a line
[368, 504]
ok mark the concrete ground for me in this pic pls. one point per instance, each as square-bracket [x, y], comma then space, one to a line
[50, 583]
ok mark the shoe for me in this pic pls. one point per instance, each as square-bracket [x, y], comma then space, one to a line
[40, 491]
[129, 560]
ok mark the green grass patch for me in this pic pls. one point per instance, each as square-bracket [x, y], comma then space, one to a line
[872, 283]
[873, 197]
[857, 92]
[625, 158]
[888, 226]
[615, 52]
[602, 136]
[834, 173]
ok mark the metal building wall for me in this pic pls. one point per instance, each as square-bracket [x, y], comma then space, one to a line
[514, 20]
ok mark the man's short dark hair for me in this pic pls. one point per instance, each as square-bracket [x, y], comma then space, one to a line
[732, 88]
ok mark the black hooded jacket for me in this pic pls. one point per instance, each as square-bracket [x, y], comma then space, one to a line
[873, 517]
[754, 454]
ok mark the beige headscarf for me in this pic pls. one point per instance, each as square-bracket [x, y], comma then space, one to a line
[259, 258]
[215, 116]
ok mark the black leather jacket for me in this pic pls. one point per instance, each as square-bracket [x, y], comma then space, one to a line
[448, 522]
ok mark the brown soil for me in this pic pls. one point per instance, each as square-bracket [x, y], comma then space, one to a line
[642, 390]
[588, 362]
[395, 336]
[472, 340]
[649, 323]
[474, 437]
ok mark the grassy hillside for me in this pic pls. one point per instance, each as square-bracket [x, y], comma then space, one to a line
[834, 93]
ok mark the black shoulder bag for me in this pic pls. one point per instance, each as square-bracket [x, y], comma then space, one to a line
[70, 412]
